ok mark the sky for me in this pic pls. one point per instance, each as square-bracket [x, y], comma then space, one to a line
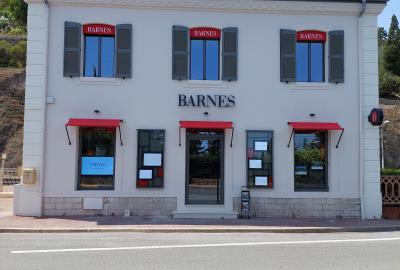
[384, 19]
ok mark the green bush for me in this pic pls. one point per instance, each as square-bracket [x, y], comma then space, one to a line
[17, 31]
[390, 171]
[5, 53]
[18, 54]
[389, 84]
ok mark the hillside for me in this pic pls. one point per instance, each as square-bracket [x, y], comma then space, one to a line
[12, 91]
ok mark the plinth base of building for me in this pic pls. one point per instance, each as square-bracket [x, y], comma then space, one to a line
[231, 215]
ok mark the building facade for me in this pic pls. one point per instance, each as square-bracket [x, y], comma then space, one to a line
[172, 107]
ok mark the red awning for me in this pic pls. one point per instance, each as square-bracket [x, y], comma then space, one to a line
[206, 124]
[315, 126]
[78, 122]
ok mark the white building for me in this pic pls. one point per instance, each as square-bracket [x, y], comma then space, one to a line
[170, 107]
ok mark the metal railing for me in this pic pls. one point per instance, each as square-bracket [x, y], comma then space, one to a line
[390, 187]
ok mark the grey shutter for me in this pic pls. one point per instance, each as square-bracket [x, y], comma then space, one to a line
[180, 52]
[123, 52]
[336, 56]
[229, 54]
[288, 55]
[72, 49]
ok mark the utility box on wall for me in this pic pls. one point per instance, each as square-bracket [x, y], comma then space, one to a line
[28, 176]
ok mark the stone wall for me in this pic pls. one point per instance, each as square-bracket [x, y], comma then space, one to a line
[163, 206]
[302, 208]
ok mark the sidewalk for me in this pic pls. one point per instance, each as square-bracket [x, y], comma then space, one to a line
[142, 224]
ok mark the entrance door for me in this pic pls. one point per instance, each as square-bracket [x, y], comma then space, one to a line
[204, 167]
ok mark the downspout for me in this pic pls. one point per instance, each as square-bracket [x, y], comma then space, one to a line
[361, 154]
[42, 166]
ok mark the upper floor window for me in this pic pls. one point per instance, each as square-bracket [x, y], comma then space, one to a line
[310, 55]
[99, 50]
[107, 50]
[204, 53]
[302, 56]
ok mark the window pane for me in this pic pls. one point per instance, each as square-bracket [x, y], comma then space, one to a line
[107, 57]
[302, 62]
[259, 159]
[96, 161]
[196, 59]
[91, 56]
[310, 161]
[317, 62]
[212, 59]
[150, 151]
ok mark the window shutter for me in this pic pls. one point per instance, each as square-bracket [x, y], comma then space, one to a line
[229, 53]
[336, 56]
[288, 55]
[180, 52]
[123, 53]
[72, 49]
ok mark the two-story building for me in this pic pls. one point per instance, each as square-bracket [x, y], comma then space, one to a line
[171, 107]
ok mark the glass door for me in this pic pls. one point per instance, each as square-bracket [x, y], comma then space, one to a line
[204, 167]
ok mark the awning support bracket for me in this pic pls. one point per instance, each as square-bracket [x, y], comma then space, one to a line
[340, 138]
[69, 140]
[232, 136]
[290, 139]
[120, 136]
[180, 130]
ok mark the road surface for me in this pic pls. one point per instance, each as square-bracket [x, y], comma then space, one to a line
[377, 251]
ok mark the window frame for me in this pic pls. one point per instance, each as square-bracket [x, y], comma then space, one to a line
[270, 183]
[79, 176]
[309, 61]
[99, 55]
[326, 160]
[138, 165]
[205, 59]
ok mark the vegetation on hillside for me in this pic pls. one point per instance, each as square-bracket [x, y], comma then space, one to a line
[389, 60]
[13, 15]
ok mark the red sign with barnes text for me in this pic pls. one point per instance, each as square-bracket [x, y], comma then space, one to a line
[311, 35]
[205, 33]
[99, 29]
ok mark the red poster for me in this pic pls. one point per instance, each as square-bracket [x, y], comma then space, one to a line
[99, 29]
[311, 35]
[205, 33]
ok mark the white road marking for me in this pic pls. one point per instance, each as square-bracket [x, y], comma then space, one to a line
[206, 245]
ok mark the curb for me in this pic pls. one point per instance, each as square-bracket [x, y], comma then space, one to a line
[6, 195]
[206, 230]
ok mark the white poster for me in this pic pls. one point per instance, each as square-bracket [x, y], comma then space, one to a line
[145, 174]
[261, 146]
[261, 181]
[255, 164]
[152, 159]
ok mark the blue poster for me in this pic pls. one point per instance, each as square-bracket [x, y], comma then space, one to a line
[97, 166]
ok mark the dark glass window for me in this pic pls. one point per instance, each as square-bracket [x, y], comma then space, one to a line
[310, 65]
[310, 161]
[150, 159]
[99, 56]
[96, 159]
[204, 59]
[259, 159]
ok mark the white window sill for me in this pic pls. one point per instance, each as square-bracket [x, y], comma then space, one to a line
[310, 86]
[204, 84]
[98, 80]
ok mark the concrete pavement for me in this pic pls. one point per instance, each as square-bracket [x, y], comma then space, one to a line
[200, 251]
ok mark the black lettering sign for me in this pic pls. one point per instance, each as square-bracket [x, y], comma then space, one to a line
[206, 101]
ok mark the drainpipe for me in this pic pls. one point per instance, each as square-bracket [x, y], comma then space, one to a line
[42, 167]
[361, 153]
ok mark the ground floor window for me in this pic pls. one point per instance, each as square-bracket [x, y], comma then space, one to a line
[310, 161]
[150, 159]
[259, 158]
[96, 159]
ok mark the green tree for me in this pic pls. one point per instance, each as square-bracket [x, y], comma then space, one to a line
[18, 10]
[382, 36]
[391, 50]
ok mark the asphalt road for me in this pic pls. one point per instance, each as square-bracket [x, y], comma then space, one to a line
[377, 251]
